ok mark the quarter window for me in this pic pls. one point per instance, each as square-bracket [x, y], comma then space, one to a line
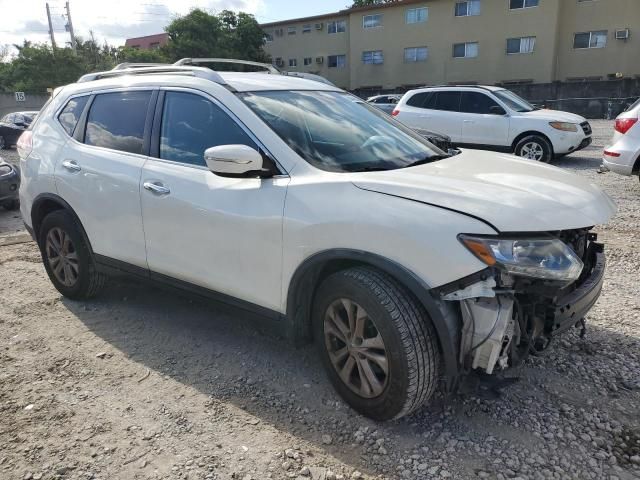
[517, 4]
[372, 21]
[416, 15]
[70, 115]
[419, 99]
[191, 124]
[374, 57]
[415, 54]
[597, 39]
[337, 61]
[465, 50]
[117, 120]
[521, 45]
[474, 102]
[467, 9]
[339, 26]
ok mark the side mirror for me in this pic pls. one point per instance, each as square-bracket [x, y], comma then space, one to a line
[497, 110]
[233, 159]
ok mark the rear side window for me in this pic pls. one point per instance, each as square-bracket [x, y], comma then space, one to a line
[70, 115]
[117, 120]
[447, 101]
[474, 102]
[191, 124]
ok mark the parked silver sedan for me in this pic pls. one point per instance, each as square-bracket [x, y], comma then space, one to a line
[386, 103]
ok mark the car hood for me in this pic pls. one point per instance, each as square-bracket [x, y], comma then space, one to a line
[510, 193]
[554, 116]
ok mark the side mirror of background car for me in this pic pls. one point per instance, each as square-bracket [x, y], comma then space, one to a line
[233, 160]
[497, 110]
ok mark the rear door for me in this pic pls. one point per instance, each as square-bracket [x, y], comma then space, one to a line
[99, 171]
[437, 111]
[481, 122]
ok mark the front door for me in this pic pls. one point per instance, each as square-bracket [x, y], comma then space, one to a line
[482, 122]
[220, 233]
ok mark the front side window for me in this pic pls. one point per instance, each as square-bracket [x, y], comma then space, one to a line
[465, 50]
[596, 39]
[116, 121]
[513, 101]
[374, 57]
[416, 15]
[521, 45]
[70, 115]
[338, 132]
[372, 21]
[191, 124]
[475, 102]
[339, 26]
[415, 54]
[468, 8]
[517, 4]
[337, 61]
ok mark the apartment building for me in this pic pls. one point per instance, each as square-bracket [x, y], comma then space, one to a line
[418, 42]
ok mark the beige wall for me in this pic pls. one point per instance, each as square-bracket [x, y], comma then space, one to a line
[553, 23]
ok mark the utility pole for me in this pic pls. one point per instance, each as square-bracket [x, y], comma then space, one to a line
[53, 40]
[70, 26]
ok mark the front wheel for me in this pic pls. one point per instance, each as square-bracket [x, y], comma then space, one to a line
[534, 147]
[67, 257]
[377, 343]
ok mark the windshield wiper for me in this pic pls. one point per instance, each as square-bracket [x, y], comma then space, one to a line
[424, 161]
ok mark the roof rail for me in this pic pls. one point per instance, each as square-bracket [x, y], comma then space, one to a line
[196, 61]
[199, 72]
[123, 66]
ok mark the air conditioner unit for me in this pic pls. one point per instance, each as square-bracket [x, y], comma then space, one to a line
[319, 26]
[319, 59]
[623, 34]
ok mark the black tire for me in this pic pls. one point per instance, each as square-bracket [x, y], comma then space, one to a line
[11, 205]
[409, 338]
[539, 143]
[89, 280]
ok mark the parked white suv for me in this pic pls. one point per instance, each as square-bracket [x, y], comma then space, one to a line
[623, 154]
[496, 119]
[297, 201]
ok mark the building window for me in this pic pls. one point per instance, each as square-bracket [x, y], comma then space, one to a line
[306, 28]
[372, 21]
[520, 45]
[337, 61]
[339, 26]
[154, 45]
[268, 38]
[465, 50]
[415, 54]
[374, 57]
[307, 61]
[291, 30]
[416, 15]
[293, 62]
[518, 4]
[279, 32]
[597, 39]
[467, 9]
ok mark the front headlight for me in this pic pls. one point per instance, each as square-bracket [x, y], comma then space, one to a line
[549, 259]
[564, 126]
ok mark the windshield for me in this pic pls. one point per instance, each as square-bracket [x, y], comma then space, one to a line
[338, 132]
[513, 101]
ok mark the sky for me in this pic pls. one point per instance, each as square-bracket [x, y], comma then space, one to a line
[116, 20]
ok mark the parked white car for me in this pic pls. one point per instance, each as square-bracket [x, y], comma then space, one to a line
[496, 119]
[297, 201]
[623, 154]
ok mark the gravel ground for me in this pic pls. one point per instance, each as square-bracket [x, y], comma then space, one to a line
[143, 384]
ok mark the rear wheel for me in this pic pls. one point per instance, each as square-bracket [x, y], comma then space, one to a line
[534, 147]
[377, 343]
[67, 257]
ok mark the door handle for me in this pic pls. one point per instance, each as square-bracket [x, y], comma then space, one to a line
[71, 165]
[157, 188]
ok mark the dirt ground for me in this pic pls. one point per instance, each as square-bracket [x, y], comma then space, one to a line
[148, 383]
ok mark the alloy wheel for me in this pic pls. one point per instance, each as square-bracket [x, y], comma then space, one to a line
[62, 257]
[356, 348]
[532, 151]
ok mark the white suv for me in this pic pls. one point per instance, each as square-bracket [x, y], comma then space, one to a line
[623, 154]
[297, 201]
[494, 118]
